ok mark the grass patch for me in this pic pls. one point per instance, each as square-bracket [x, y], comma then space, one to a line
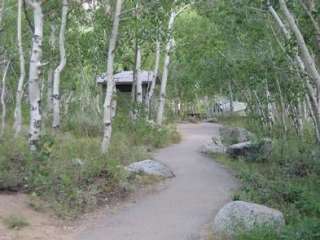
[15, 222]
[70, 173]
[288, 180]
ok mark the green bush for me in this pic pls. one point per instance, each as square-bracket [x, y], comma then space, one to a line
[15, 222]
[259, 233]
[69, 170]
[288, 180]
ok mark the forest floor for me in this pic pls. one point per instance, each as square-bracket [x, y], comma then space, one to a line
[177, 209]
[16, 212]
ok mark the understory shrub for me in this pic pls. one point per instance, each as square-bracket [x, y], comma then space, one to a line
[69, 171]
[288, 180]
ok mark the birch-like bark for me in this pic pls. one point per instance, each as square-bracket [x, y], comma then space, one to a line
[34, 75]
[110, 81]
[149, 95]
[139, 80]
[231, 96]
[311, 5]
[314, 119]
[114, 103]
[19, 94]
[134, 77]
[301, 65]
[313, 20]
[269, 106]
[283, 108]
[3, 99]
[162, 99]
[2, 6]
[59, 69]
[308, 60]
[52, 43]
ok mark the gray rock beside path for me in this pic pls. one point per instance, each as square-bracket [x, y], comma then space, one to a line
[231, 135]
[151, 167]
[210, 148]
[242, 217]
[214, 146]
[251, 150]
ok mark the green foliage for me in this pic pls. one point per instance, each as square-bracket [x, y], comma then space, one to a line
[70, 172]
[288, 181]
[15, 222]
[259, 233]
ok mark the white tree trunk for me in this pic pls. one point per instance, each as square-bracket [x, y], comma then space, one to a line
[313, 20]
[139, 80]
[59, 69]
[162, 99]
[231, 96]
[2, 6]
[3, 99]
[114, 103]
[149, 95]
[17, 113]
[314, 106]
[52, 43]
[269, 105]
[305, 53]
[283, 108]
[34, 75]
[110, 81]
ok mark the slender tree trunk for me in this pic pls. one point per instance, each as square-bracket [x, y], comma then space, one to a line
[149, 95]
[311, 5]
[300, 118]
[164, 80]
[110, 81]
[231, 96]
[304, 73]
[34, 75]
[269, 106]
[305, 53]
[114, 103]
[314, 118]
[2, 6]
[17, 113]
[139, 96]
[314, 22]
[283, 108]
[59, 69]
[49, 91]
[52, 43]
[3, 99]
[135, 74]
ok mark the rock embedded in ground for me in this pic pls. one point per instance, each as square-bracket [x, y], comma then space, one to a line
[214, 146]
[151, 167]
[212, 120]
[242, 217]
[210, 148]
[251, 150]
[231, 136]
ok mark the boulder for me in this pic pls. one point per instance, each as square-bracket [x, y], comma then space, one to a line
[240, 149]
[251, 150]
[212, 148]
[150, 167]
[212, 120]
[231, 136]
[242, 217]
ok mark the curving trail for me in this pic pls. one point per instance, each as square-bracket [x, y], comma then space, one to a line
[186, 203]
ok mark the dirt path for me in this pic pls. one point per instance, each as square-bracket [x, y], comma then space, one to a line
[185, 204]
[42, 225]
